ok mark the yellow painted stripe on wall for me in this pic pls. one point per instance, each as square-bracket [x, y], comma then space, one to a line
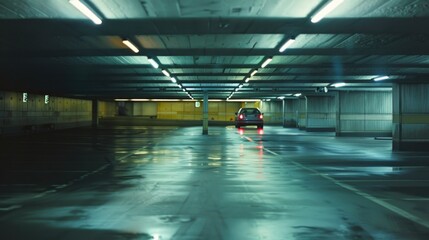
[366, 117]
[411, 118]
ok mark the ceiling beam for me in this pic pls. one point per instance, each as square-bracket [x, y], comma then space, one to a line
[122, 76]
[5, 64]
[204, 26]
[405, 50]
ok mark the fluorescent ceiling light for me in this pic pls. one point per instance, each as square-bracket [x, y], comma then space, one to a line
[341, 84]
[247, 80]
[254, 72]
[266, 62]
[297, 94]
[325, 10]
[240, 86]
[287, 44]
[180, 86]
[281, 97]
[153, 62]
[165, 73]
[236, 89]
[173, 79]
[381, 78]
[130, 45]
[86, 11]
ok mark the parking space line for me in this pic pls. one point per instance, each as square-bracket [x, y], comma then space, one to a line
[10, 208]
[416, 199]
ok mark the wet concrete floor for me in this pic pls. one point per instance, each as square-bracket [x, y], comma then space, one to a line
[175, 183]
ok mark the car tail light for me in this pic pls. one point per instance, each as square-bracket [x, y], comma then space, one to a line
[240, 116]
[261, 116]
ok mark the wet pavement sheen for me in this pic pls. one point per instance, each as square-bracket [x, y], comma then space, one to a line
[175, 183]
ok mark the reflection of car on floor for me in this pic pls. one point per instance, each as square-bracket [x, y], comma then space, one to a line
[249, 116]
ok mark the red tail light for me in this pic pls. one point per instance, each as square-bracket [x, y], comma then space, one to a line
[240, 116]
[261, 116]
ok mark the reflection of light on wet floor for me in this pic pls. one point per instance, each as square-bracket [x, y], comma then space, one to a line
[241, 131]
[141, 153]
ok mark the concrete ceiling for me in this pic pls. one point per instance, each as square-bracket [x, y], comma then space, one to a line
[210, 45]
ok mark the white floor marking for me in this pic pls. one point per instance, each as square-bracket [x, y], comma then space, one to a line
[386, 180]
[10, 208]
[416, 199]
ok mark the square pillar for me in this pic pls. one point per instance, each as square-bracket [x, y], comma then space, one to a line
[410, 117]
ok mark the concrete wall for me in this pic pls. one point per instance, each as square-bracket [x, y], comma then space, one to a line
[18, 117]
[411, 117]
[186, 110]
[291, 113]
[107, 109]
[273, 112]
[321, 113]
[364, 113]
[218, 111]
[146, 109]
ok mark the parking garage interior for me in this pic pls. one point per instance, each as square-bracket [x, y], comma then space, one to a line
[117, 119]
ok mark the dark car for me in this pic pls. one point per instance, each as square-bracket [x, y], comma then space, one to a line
[249, 116]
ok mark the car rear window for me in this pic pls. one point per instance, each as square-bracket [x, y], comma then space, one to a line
[250, 111]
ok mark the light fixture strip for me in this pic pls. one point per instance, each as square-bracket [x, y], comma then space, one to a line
[266, 62]
[173, 79]
[165, 73]
[254, 72]
[247, 79]
[337, 85]
[287, 44]
[130, 45]
[153, 62]
[381, 78]
[325, 10]
[86, 11]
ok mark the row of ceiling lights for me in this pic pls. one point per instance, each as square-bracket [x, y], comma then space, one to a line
[91, 15]
[314, 19]
[156, 65]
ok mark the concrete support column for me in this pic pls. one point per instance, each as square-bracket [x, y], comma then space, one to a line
[94, 113]
[337, 114]
[302, 113]
[410, 117]
[206, 113]
[283, 113]
[363, 113]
